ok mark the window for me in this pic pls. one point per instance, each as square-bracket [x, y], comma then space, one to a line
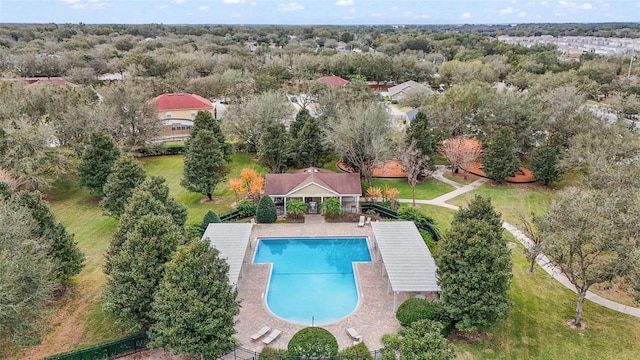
[193, 113]
[168, 114]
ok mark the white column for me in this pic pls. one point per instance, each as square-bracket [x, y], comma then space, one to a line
[285, 206]
[340, 197]
[357, 203]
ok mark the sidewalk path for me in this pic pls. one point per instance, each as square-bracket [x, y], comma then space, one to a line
[542, 260]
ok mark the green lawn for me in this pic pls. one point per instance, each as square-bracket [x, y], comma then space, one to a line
[459, 179]
[429, 189]
[170, 167]
[512, 199]
[535, 327]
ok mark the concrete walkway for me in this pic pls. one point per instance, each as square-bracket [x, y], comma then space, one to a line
[542, 260]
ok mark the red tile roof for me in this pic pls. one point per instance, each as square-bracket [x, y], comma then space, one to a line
[182, 101]
[342, 184]
[333, 80]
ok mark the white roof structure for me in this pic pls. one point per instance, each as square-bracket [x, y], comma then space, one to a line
[232, 241]
[406, 258]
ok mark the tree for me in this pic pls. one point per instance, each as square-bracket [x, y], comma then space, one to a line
[583, 236]
[193, 310]
[536, 246]
[62, 250]
[204, 164]
[126, 174]
[423, 135]
[412, 162]
[96, 162]
[499, 160]
[247, 120]
[461, 152]
[237, 186]
[274, 150]
[362, 136]
[205, 121]
[157, 187]
[27, 278]
[137, 268]
[546, 158]
[127, 103]
[209, 217]
[297, 207]
[307, 138]
[266, 212]
[422, 340]
[474, 267]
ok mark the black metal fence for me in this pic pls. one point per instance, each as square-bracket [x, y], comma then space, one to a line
[230, 216]
[129, 344]
[240, 353]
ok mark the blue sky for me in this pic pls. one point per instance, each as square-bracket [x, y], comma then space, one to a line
[311, 12]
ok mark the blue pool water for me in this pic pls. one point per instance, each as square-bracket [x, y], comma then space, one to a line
[312, 277]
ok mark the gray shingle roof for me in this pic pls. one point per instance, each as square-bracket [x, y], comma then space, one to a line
[232, 241]
[406, 258]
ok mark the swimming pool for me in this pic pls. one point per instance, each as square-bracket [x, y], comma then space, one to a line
[312, 279]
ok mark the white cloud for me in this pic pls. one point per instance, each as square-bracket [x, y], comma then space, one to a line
[394, 8]
[408, 13]
[506, 11]
[376, 15]
[344, 2]
[291, 6]
[522, 14]
[253, 3]
[585, 6]
[352, 10]
[87, 4]
[203, 8]
[424, 16]
[179, 1]
[466, 15]
[70, 1]
[544, 3]
[233, 1]
[162, 6]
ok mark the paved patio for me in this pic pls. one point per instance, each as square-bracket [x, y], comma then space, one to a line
[373, 317]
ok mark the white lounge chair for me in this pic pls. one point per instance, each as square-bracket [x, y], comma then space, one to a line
[361, 222]
[354, 335]
[260, 333]
[272, 336]
[368, 221]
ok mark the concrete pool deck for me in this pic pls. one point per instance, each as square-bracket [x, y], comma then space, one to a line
[373, 317]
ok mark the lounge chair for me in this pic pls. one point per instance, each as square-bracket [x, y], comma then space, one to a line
[272, 336]
[361, 222]
[260, 333]
[354, 335]
[368, 221]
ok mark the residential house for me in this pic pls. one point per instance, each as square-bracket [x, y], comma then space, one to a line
[177, 111]
[313, 186]
[333, 81]
[397, 92]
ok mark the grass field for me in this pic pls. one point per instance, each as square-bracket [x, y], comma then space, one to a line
[512, 199]
[429, 189]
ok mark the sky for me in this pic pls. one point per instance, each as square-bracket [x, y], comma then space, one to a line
[313, 12]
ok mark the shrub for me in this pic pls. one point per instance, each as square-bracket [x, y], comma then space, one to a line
[209, 217]
[313, 342]
[246, 208]
[415, 309]
[266, 212]
[359, 351]
[271, 353]
[332, 207]
[194, 230]
[297, 207]
[421, 220]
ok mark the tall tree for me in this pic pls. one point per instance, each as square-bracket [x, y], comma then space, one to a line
[128, 103]
[362, 136]
[204, 164]
[126, 174]
[412, 161]
[474, 267]
[136, 270]
[96, 162]
[205, 121]
[307, 138]
[266, 212]
[424, 136]
[422, 340]
[461, 152]
[546, 158]
[247, 120]
[583, 236]
[500, 159]
[63, 251]
[27, 278]
[274, 150]
[193, 310]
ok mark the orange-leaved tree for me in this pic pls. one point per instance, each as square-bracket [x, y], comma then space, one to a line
[391, 195]
[250, 182]
[237, 186]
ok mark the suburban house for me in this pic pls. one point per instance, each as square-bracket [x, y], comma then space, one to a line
[399, 91]
[313, 186]
[333, 81]
[177, 111]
